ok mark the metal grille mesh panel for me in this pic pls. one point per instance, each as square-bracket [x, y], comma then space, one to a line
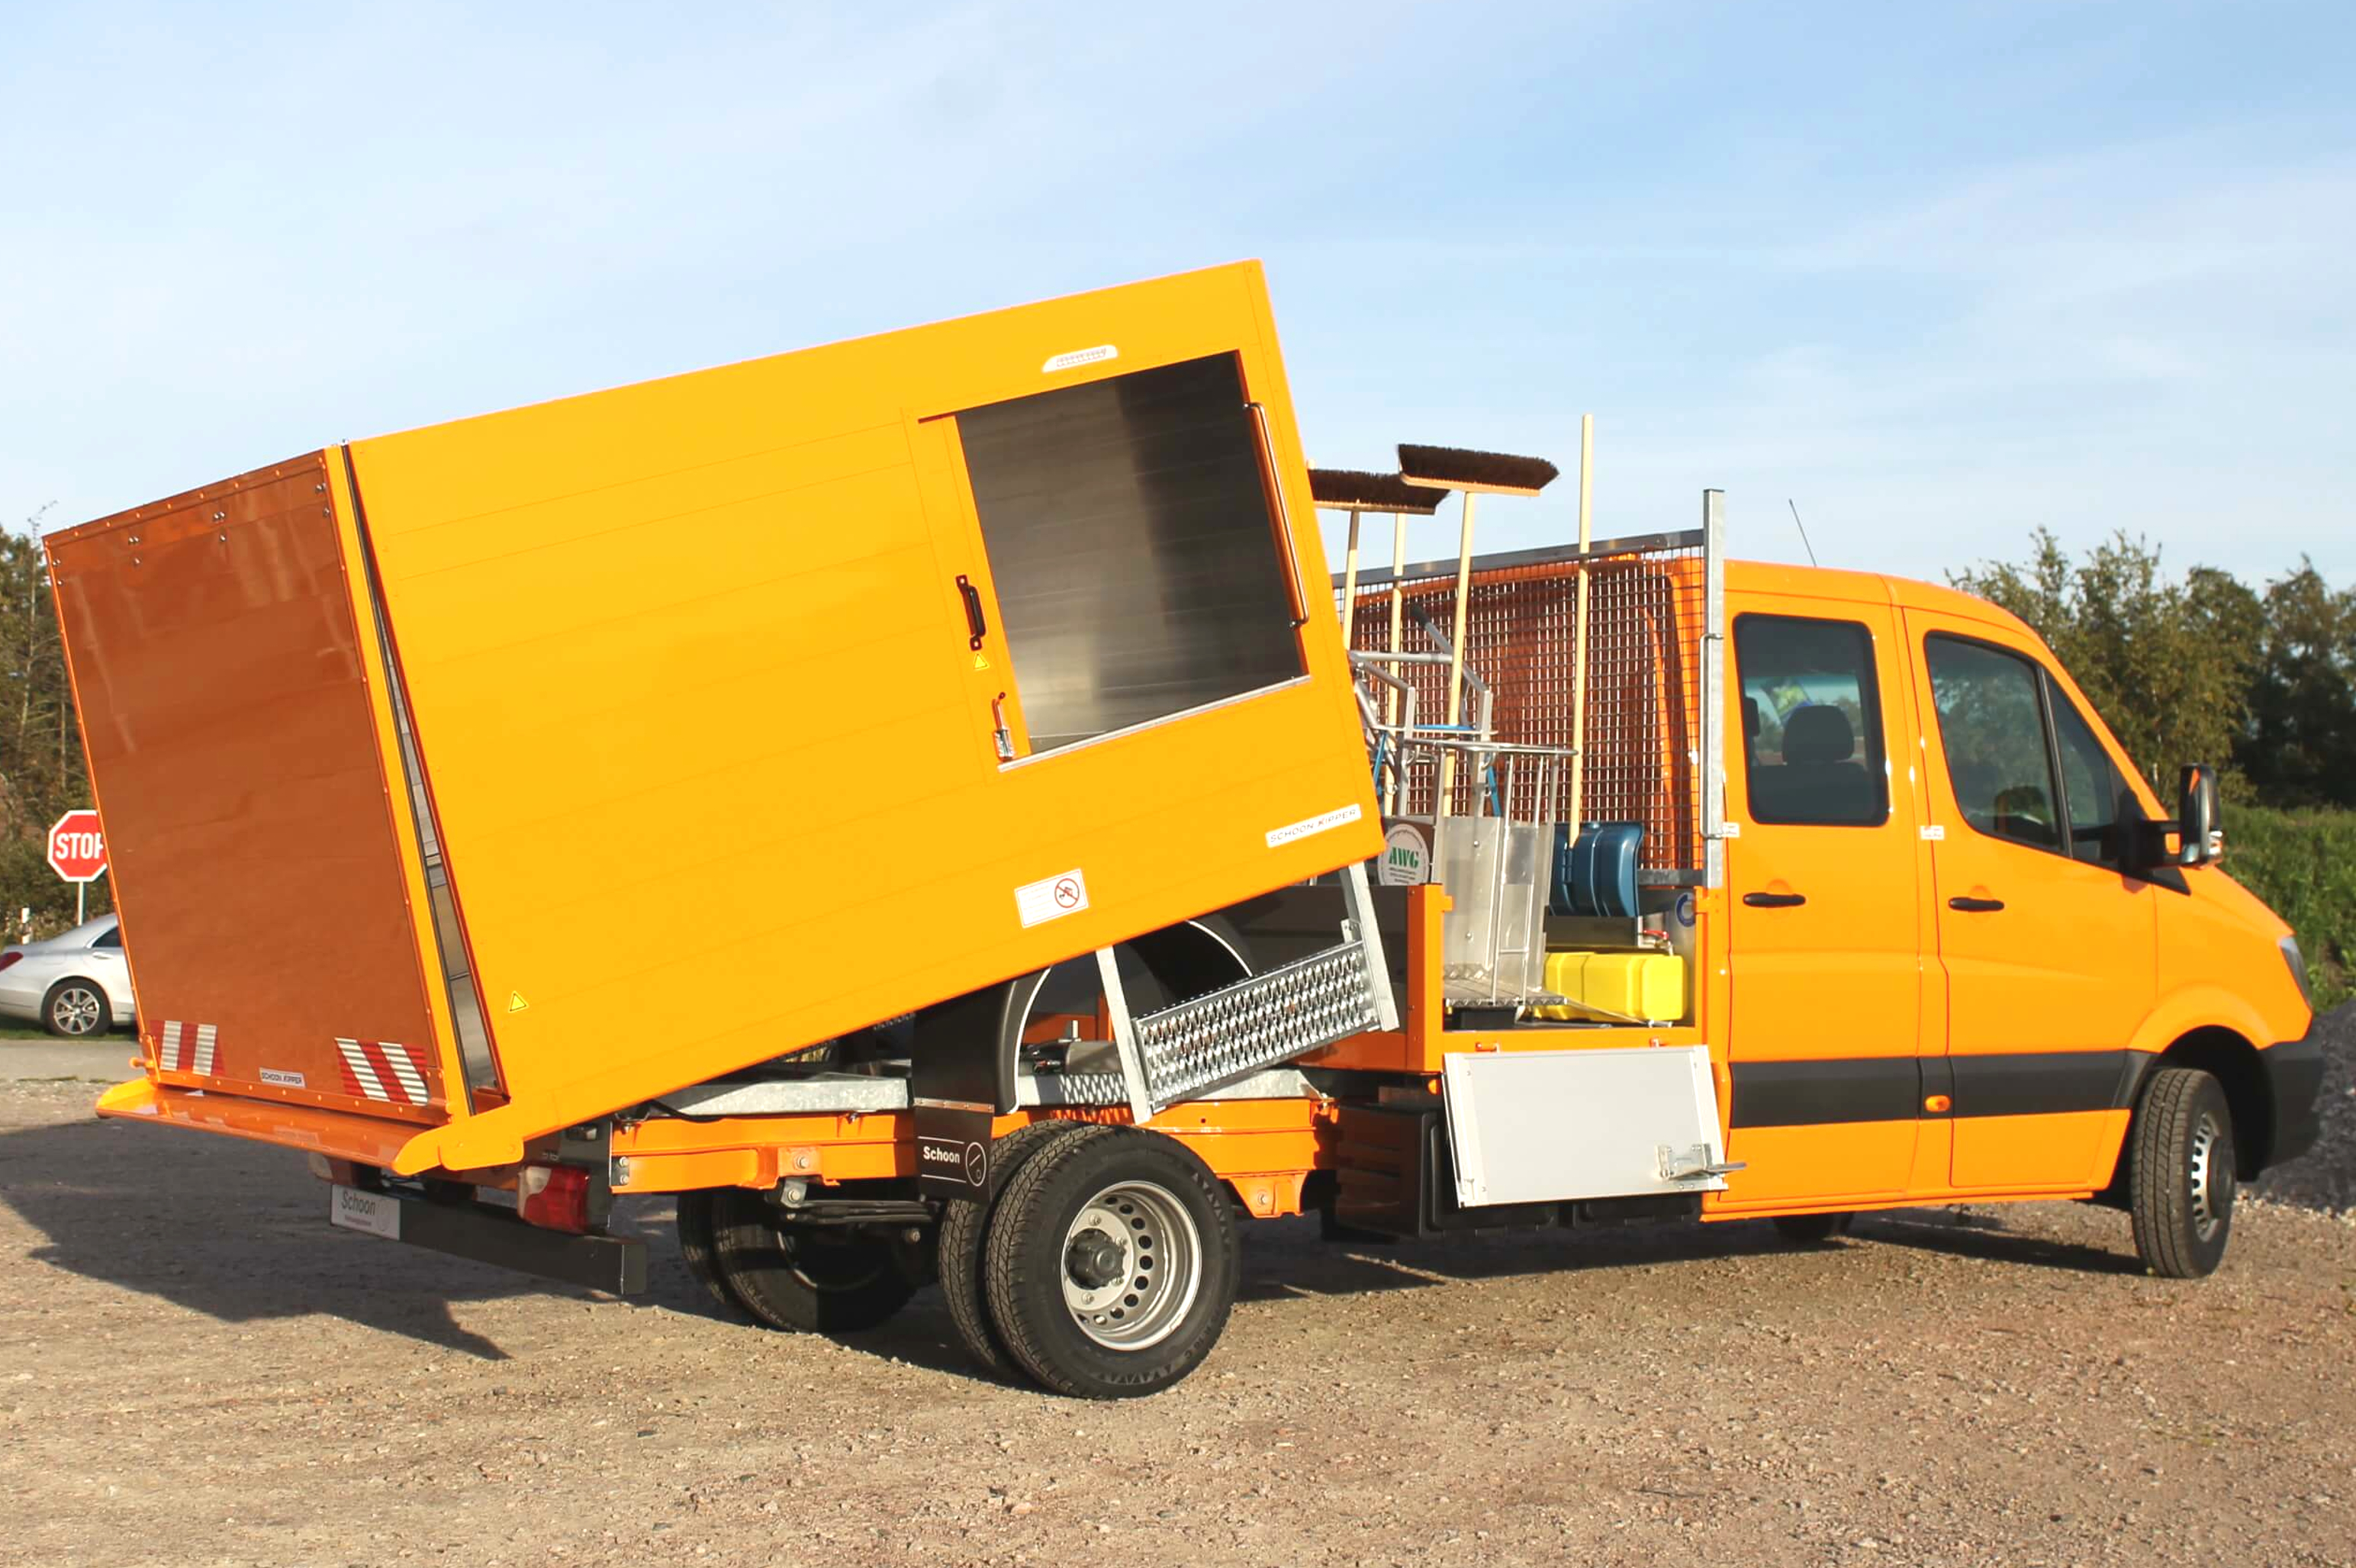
[1646, 616]
[1254, 1024]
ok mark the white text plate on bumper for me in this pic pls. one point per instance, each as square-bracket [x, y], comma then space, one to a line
[371, 1211]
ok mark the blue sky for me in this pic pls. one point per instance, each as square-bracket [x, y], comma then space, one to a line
[1941, 274]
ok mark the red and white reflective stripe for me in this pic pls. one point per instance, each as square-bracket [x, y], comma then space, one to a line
[188, 1049]
[382, 1069]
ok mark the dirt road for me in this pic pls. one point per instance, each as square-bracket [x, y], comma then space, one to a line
[195, 1369]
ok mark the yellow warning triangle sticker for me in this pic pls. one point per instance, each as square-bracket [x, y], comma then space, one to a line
[515, 1004]
[981, 661]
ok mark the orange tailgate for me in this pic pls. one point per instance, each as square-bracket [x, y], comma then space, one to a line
[237, 740]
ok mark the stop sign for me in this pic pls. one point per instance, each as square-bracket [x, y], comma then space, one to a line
[77, 848]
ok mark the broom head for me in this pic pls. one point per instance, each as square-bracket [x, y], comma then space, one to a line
[1489, 473]
[1359, 490]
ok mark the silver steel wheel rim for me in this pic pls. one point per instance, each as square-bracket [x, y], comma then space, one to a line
[2201, 1171]
[1132, 1264]
[76, 1012]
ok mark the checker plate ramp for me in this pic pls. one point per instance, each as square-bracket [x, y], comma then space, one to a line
[1229, 1034]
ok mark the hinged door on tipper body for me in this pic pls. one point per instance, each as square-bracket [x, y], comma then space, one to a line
[234, 709]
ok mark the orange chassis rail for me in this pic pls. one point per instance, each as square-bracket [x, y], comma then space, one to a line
[1264, 1148]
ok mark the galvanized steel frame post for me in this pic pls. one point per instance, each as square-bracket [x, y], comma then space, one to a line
[1124, 1039]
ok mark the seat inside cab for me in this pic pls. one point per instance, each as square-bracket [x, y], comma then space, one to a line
[1816, 763]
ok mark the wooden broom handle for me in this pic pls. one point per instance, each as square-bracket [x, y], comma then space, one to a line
[1456, 658]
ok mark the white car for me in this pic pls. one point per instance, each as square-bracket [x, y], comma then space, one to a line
[74, 985]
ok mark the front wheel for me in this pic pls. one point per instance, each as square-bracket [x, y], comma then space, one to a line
[2180, 1174]
[76, 1009]
[1113, 1261]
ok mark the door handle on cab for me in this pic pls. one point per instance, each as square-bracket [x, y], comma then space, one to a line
[1774, 900]
[1975, 905]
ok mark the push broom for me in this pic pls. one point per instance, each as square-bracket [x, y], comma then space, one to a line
[1476, 474]
[1357, 492]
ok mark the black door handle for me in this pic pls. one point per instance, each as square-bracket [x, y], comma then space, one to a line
[1975, 905]
[973, 621]
[1774, 900]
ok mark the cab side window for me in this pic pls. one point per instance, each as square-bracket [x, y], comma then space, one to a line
[1811, 722]
[1992, 725]
[110, 938]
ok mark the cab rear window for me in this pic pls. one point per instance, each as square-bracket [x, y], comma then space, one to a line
[1811, 722]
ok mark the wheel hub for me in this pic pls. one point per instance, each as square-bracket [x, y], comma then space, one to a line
[1095, 1259]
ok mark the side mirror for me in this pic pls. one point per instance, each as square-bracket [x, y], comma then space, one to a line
[2196, 815]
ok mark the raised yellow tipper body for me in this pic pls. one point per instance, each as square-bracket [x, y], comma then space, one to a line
[810, 692]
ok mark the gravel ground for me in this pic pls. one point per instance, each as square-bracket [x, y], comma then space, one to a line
[2326, 1178]
[195, 1369]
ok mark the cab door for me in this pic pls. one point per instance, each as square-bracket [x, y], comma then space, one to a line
[1823, 945]
[2050, 949]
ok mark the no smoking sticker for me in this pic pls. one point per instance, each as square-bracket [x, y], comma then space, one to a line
[1052, 897]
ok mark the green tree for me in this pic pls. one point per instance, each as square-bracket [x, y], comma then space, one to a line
[2166, 662]
[2300, 744]
[42, 770]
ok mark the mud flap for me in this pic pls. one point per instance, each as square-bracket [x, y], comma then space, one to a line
[962, 1079]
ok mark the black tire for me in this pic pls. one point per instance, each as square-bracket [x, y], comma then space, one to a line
[696, 1244]
[1812, 1230]
[89, 1012]
[1153, 1312]
[964, 1231]
[812, 1279]
[2180, 1174]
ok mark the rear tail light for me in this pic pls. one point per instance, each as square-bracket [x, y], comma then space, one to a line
[8, 957]
[556, 1197]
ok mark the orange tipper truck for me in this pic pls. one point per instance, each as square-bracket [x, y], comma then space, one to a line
[1073, 885]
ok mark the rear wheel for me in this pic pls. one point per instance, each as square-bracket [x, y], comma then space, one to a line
[696, 1246]
[76, 1008]
[1812, 1230]
[1112, 1264]
[965, 1227]
[2180, 1174]
[816, 1279]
